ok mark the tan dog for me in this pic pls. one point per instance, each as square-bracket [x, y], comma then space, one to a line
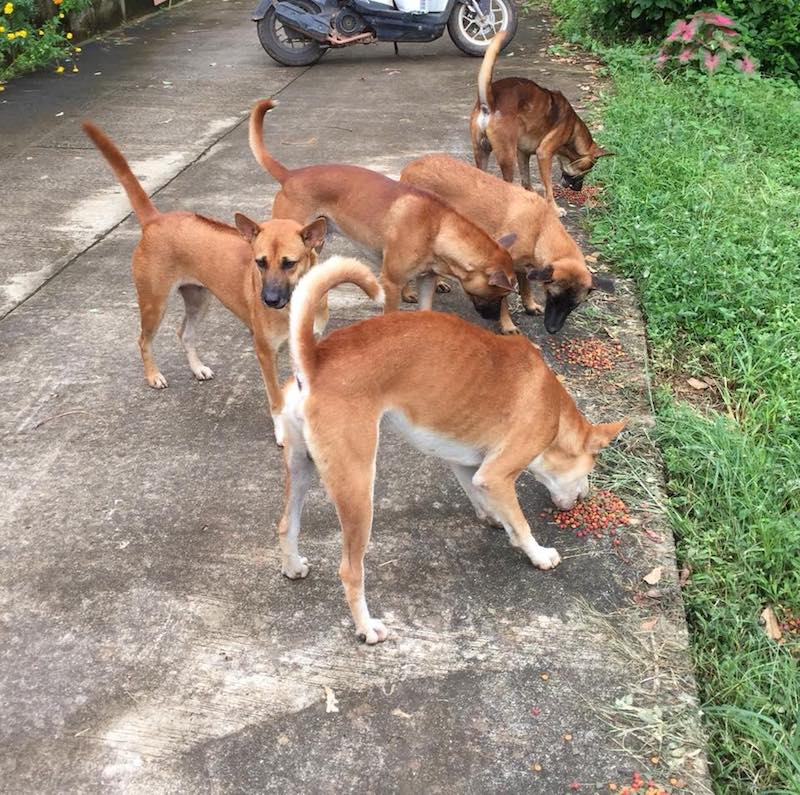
[516, 118]
[252, 271]
[435, 377]
[543, 251]
[417, 234]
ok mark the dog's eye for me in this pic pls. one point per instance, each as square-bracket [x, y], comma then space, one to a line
[261, 262]
[288, 264]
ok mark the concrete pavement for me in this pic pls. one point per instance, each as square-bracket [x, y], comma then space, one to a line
[150, 644]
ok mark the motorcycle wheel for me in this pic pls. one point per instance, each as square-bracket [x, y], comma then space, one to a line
[472, 36]
[286, 45]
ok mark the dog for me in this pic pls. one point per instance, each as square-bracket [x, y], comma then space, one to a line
[435, 377]
[251, 268]
[418, 235]
[516, 118]
[543, 251]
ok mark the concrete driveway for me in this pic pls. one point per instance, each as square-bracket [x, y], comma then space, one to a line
[149, 641]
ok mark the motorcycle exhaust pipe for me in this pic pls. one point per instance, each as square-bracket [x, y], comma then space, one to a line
[294, 17]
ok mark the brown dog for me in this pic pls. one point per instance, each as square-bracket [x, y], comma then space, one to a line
[252, 271]
[444, 401]
[543, 250]
[516, 118]
[417, 234]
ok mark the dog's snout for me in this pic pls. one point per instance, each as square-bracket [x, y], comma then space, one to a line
[488, 309]
[274, 296]
[572, 182]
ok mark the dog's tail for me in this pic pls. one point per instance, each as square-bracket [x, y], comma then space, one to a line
[145, 209]
[260, 153]
[485, 98]
[306, 297]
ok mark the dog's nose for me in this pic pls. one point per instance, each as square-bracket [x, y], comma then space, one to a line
[274, 299]
[574, 183]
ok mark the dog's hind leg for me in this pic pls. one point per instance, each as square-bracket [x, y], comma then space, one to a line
[495, 483]
[196, 300]
[153, 296]
[299, 470]
[345, 457]
[524, 166]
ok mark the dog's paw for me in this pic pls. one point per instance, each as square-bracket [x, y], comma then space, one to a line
[534, 309]
[490, 521]
[296, 568]
[510, 331]
[157, 381]
[374, 632]
[560, 211]
[203, 373]
[410, 296]
[545, 558]
[443, 287]
[277, 424]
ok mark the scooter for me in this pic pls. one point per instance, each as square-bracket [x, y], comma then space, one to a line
[299, 32]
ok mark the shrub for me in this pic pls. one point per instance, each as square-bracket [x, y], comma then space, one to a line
[31, 37]
[709, 40]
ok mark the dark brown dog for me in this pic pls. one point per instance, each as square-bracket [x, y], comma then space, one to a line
[516, 118]
[252, 271]
[417, 234]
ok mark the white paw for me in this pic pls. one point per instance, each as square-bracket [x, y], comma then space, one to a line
[545, 558]
[203, 373]
[560, 211]
[510, 331]
[295, 569]
[277, 423]
[534, 309]
[157, 381]
[374, 632]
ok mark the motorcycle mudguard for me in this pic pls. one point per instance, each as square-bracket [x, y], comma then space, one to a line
[261, 11]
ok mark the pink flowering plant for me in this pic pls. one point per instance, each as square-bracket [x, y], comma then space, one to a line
[708, 40]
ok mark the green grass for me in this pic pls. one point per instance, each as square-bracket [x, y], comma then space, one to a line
[703, 210]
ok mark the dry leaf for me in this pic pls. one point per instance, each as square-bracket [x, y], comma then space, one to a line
[591, 258]
[400, 714]
[696, 383]
[653, 593]
[771, 623]
[331, 704]
[648, 625]
[683, 577]
[654, 576]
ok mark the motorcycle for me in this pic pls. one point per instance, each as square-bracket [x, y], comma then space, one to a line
[299, 32]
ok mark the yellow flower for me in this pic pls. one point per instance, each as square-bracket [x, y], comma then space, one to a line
[8, 8]
[2, 29]
[11, 36]
[78, 49]
[2, 88]
[61, 15]
[40, 32]
[69, 35]
[22, 34]
[75, 68]
[59, 69]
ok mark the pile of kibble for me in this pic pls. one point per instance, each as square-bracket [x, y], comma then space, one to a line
[790, 624]
[639, 786]
[603, 514]
[592, 354]
[575, 196]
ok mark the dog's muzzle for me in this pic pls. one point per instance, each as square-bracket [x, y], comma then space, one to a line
[572, 182]
[487, 308]
[275, 297]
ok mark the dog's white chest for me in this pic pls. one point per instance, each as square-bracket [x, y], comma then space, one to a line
[432, 443]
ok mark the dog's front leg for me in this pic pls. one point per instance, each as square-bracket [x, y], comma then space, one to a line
[426, 287]
[299, 469]
[524, 166]
[506, 323]
[544, 157]
[498, 492]
[267, 357]
[532, 306]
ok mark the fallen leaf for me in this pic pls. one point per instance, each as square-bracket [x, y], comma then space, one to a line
[400, 714]
[331, 704]
[771, 623]
[654, 576]
[684, 575]
[653, 593]
[696, 383]
[591, 258]
[647, 626]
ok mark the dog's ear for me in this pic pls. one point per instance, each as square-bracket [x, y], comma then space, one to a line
[600, 152]
[314, 234]
[506, 241]
[602, 435]
[248, 229]
[602, 284]
[542, 274]
[499, 278]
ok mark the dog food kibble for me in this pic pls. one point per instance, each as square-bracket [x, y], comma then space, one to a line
[602, 514]
[576, 196]
[592, 354]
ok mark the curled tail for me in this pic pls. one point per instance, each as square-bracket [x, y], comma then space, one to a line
[145, 209]
[260, 153]
[485, 98]
[307, 295]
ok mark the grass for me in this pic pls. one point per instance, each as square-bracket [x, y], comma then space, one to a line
[703, 210]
